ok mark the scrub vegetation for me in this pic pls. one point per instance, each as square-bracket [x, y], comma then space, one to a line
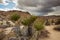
[21, 25]
[15, 17]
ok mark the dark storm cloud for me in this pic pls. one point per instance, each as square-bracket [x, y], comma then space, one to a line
[41, 6]
[28, 2]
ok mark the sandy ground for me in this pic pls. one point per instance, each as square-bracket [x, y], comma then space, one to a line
[54, 35]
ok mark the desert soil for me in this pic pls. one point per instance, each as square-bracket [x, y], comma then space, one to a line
[54, 35]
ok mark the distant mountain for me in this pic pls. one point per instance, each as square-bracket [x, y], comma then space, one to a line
[26, 14]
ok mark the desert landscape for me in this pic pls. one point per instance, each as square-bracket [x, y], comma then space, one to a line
[18, 25]
[29, 19]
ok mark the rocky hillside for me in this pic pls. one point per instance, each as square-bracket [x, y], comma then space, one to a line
[7, 13]
[25, 27]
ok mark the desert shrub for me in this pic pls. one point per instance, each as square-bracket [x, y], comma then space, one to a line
[28, 21]
[15, 17]
[39, 25]
[57, 28]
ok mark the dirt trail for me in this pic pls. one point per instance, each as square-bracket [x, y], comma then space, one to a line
[54, 35]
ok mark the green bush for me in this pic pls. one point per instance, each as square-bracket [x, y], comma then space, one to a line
[38, 26]
[15, 17]
[28, 21]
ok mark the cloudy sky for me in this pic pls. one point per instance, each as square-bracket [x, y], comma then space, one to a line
[36, 7]
[6, 5]
[40, 7]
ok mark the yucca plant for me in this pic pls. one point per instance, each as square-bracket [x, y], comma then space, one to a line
[15, 17]
[39, 25]
[28, 21]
